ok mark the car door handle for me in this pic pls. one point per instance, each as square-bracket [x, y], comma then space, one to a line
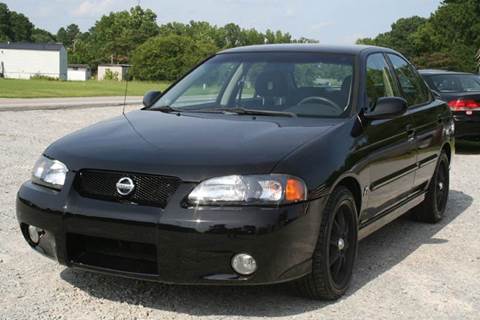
[410, 132]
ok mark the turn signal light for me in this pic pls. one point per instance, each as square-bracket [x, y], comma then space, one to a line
[294, 190]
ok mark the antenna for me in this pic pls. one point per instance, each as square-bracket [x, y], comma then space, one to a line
[126, 90]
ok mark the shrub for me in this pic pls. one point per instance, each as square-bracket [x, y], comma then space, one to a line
[169, 57]
[43, 77]
[110, 75]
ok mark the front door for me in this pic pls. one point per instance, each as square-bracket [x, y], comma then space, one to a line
[391, 144]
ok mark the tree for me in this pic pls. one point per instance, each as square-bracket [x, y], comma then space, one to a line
[42, 36]
[14, 26]
[449, 39]
[228, 36]
[5, 31]
[400, 37]
[168, 57]
[454, 29]
[114, 37]
[21, 27]
[68, 35]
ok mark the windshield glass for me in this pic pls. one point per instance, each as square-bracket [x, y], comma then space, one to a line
[456, 83]
[302, 84]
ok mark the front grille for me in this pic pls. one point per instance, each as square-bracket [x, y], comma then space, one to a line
[112, 254]
[149, 189]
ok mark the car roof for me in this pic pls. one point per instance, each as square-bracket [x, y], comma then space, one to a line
[441, 72]
[318, 48]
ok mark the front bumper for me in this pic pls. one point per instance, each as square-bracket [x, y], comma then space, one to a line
[173, 245]
[467, 126]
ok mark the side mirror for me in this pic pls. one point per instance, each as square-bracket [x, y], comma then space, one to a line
[387, 108]
[150, 98]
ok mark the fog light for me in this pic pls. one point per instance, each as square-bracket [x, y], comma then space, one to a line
[244, 264]
[35, 234]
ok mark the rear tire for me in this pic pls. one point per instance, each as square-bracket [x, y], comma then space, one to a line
[335, 252]
[432, 209]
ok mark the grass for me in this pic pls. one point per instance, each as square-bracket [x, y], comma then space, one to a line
[13, 88]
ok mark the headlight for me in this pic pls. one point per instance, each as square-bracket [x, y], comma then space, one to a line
[272, 189]
[49, 173]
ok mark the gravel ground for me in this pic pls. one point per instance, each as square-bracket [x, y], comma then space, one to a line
[407, 270]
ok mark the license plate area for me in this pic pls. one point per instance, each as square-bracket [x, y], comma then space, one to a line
[125, 256]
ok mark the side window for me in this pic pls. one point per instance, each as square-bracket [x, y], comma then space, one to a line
[379, 79]
[414, 89]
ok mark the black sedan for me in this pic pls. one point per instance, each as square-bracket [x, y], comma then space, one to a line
[264, 164]
[462, 93]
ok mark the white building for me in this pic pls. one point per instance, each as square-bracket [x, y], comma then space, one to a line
[78, 72]
[118, 71]
[25, 60]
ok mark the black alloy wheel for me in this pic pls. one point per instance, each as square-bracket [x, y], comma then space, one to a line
[432, 209]
[336, 249]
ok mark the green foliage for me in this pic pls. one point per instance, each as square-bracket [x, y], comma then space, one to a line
[110, 75]
[449, 39]
[16, 27]
[168, 57]
[114, 37]
[157, 52]
[5, 27]
[42, 77]
[68, 35]
[40, 35]
[400, 37]
[228, 36]
[21, 27]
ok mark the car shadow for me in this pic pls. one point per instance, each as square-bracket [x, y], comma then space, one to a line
[377, 254]
[467, 147]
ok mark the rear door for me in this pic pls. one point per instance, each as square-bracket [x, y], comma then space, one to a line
[391, 148]
[427, 118]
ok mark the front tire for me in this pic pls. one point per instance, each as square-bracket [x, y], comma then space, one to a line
[432, 209]
[336, 250]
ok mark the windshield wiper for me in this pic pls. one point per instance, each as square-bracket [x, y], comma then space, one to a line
[256, 112]
[166, 109]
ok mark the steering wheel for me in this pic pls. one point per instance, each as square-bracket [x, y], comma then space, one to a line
[328, 102]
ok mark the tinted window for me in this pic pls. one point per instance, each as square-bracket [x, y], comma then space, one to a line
[455, 83]
[307, 84]
[379, 79]
[207, 87]
[413, 87]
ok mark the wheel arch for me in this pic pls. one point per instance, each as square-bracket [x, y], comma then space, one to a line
[447, 148]
[352, 184]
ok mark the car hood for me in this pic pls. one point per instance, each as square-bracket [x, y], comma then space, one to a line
[190, 146]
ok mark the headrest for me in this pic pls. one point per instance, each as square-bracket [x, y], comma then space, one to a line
[271, 84]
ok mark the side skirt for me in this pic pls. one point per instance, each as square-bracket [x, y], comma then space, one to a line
[391, 214]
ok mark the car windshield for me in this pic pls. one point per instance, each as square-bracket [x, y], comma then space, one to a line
[456, 83]
[282, 83]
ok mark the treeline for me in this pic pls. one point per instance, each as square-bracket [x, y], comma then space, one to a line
[449, 39]
[157, 52]
[16, 27]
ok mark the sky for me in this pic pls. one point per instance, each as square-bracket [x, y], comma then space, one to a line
[328, 21]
